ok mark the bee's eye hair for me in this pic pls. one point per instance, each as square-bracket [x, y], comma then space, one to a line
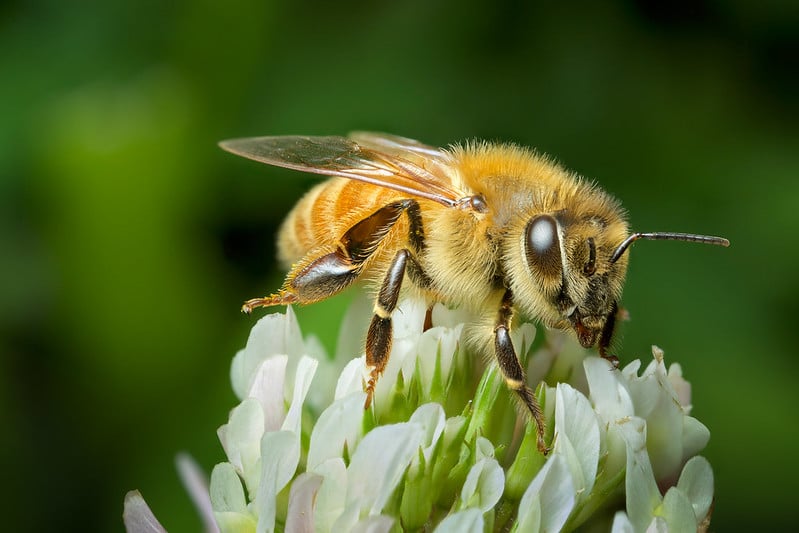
[542, 244]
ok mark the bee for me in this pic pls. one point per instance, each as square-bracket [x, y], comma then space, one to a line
[494, 228]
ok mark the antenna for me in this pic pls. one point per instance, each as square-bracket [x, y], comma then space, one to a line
[667, 236]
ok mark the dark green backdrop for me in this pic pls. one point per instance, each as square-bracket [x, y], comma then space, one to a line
[128, 239]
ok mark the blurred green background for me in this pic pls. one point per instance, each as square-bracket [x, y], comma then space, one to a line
[128, 240]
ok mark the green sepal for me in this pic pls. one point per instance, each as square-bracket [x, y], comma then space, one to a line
[417, 496]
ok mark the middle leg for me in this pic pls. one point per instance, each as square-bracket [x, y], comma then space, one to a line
[512, 370]
[380, 334]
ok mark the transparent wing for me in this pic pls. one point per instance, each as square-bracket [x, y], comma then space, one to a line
[382, 160]
[394, 144]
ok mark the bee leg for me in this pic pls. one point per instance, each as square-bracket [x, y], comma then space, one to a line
[311, 282]
[428, 319]
[607, 335]
[361, 240]
[379, 336]
[281, 298]
[512, 370]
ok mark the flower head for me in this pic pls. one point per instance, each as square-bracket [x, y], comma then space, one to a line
[444, 447]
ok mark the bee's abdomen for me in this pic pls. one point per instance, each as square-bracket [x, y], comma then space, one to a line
[325, 213]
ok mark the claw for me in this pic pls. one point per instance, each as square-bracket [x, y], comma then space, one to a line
[369, 389]
[283, 298]
[612, 359]
[542, 447]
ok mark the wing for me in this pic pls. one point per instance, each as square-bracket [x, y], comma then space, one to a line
[383, 160]
[396, 145]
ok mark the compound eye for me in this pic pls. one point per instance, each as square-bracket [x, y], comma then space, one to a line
[543, 246]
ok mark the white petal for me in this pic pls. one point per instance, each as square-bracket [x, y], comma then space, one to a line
[696, 482]
[241, 439]
[302, 382]
[484, 485]
[658, 525]
[678, 511]
[695, 436]
[280, 454]
[226, 491]
[405, 355]
[240, 374]
[621, 524]
[432, 419]
[300, 515]
[138, 517]
[644, 389]
[267, 387]
[664, 438]
[656, 401]
[408, 318]
[321, 394]
[408, 321]
[274, 334]
[680, 386]
[427, 344]
[402, 351]
[550, 498]
[374, 524]
[577, 438]
[466, 521]
[353, 328]
[196, 485]
[331, 498]
[522, 338]
[351, 378]
[565, 356]
[483, 448]
[347, 519]
[529, 520]
[609, 395]
[378, 464]
[437, 340]
[449, 318]
[339, 424]
[643, 496]
[616, 450]
[407, 350]
[631, 369]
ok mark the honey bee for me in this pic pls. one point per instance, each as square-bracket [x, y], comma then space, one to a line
[489, 227]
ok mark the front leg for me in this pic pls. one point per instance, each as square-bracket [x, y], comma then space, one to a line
[607, 336]
[511, 368]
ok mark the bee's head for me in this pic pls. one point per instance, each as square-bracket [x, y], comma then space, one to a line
[574, 270]
[570, 278]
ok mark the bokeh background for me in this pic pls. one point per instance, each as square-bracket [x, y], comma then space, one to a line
[128, 239]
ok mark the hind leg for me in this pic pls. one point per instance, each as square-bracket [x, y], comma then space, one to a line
[307, 283]
[318, 277]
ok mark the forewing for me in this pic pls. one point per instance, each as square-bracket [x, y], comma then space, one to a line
[396, 145]
[394, 168]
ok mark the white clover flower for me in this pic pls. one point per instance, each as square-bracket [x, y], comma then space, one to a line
[443, 447]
